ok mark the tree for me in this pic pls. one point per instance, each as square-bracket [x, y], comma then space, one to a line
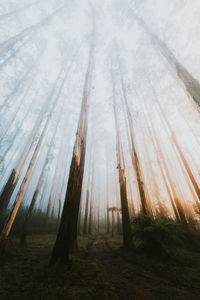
[85, 223]
[134, 155]
[107, 202]
[67, 234]
[90, 221]
[25, 181]
[162, 163]
[191, 84]
[11, 42]
[116, 210]
[178, 148]
[34, 198]
[126, 228]
[11, 183]
[47, 108]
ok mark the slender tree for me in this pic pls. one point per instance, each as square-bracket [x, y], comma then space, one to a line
[176, 144]
[191, 84]
[11, 42]
[67, 233]
[127, 238]
[48, 106]
[85, 223]
[118, 221]
[182, 156]
[107, 201]
[17, 89]
[170, 186]
[59, 212]
[90, 221]
[25, 181]
[34, 198]
[14, 117]
[11, 183]
[134, 155]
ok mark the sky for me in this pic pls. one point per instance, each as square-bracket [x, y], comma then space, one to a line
[29, 70]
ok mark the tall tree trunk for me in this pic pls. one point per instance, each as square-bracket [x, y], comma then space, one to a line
[28, 215]
[59, 212]
[113, 223]
[98, 219]
[4, 199]
[85, 223]
[22, 189]
[126, 227]
[176, 205]
[90, 221]
[49, 105]
[34, 198]
[79, 220]
[107, 202]
[183, 159]
[134, 155]
[8, 189]
[191, 84]
[154, 184]
[67, 233]
[25, 181]
[118, 223]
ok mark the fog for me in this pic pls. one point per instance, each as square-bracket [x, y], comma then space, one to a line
[45, 47]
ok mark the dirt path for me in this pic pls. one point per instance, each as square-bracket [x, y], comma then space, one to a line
[129, 281]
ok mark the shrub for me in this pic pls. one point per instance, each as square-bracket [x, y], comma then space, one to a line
[38, 222]
[159, 236]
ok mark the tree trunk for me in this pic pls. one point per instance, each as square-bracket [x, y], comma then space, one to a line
[33, 201]
[85, 223]
[118, 223]
[126, 227]
[134, 155]
[59, 211]
[67, 233]
[4, 198]
[113, 223]
[191, 84]
[6, 193]
[25, 225]
[52, 103]
[107, 211]
[90, 214]
[25, 181]
[178, 210]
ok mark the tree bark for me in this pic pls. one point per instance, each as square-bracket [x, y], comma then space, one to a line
[134, 155]
[85, 223]
[126, 227]
[67, 234]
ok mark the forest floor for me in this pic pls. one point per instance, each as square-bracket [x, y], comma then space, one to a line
[99, 271]
[130, 281]
[25, 273]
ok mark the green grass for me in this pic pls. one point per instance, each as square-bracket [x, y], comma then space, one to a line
[115, 242]
[183, 270]
[25, 274]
